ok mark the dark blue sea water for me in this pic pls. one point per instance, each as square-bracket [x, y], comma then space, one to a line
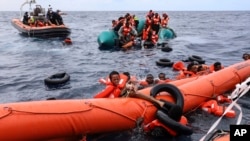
[25, 62]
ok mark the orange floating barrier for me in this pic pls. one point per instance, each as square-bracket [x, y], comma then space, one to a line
[53, 119]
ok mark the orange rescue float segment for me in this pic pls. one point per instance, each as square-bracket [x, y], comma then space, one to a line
[43, 120]
[197, 90]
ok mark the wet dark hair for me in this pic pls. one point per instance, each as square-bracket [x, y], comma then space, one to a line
[199, 68]
[112, 73]
[190, 66]
[127, 24]
[217, 64]
[244, 55]
[150, 75]
[161, 74]
[120, 18]
[127, 74]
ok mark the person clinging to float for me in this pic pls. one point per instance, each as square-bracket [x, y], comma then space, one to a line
[149, 81]
[216, 67]
[246, 56]
[114, 87]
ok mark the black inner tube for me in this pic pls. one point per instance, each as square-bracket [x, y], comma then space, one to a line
[164, 62]
[174, 125]
[56, 79]
[196, 58]
[172, 90]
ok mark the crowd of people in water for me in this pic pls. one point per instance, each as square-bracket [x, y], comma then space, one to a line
[121, 84]
[126, 28]
[38, 18]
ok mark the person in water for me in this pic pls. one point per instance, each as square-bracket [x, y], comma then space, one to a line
[246, 56]
[162, 78]
[114, 87]
[216, 67]
[149, 81]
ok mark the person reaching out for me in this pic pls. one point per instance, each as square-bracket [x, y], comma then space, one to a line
[114, 87]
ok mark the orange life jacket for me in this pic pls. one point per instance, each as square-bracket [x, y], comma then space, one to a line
[156, 20]
[212, 107]
[164, 81]
[178, 66]
[145, 33]
[148, 21]
[154, 38]
[164, 22]
[110, 91]
[126, 31]
[185, 74]
[122, 82]
[39, 23]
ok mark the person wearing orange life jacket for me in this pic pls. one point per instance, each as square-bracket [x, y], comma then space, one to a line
[149, 81]
[191, 71]
[113, 89]
[203, 69]
[156, 22]
[148, 21]
[154, 37]
[151, 40]
[145, 32]
[216, 67]
[127, 34]
[150, 13]
[162, 78]
[164, 20]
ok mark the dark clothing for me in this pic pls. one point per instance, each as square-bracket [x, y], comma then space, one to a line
[26, 19]
[155, 27]
[55, 18]
[118, 26]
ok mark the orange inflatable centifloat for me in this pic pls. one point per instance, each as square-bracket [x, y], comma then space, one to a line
[53, 119]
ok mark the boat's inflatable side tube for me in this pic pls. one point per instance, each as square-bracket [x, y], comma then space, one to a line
[166, 33]
[171, 89]
[174, 125]
[106, 39]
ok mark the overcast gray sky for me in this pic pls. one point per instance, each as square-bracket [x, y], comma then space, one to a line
[133, 5]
